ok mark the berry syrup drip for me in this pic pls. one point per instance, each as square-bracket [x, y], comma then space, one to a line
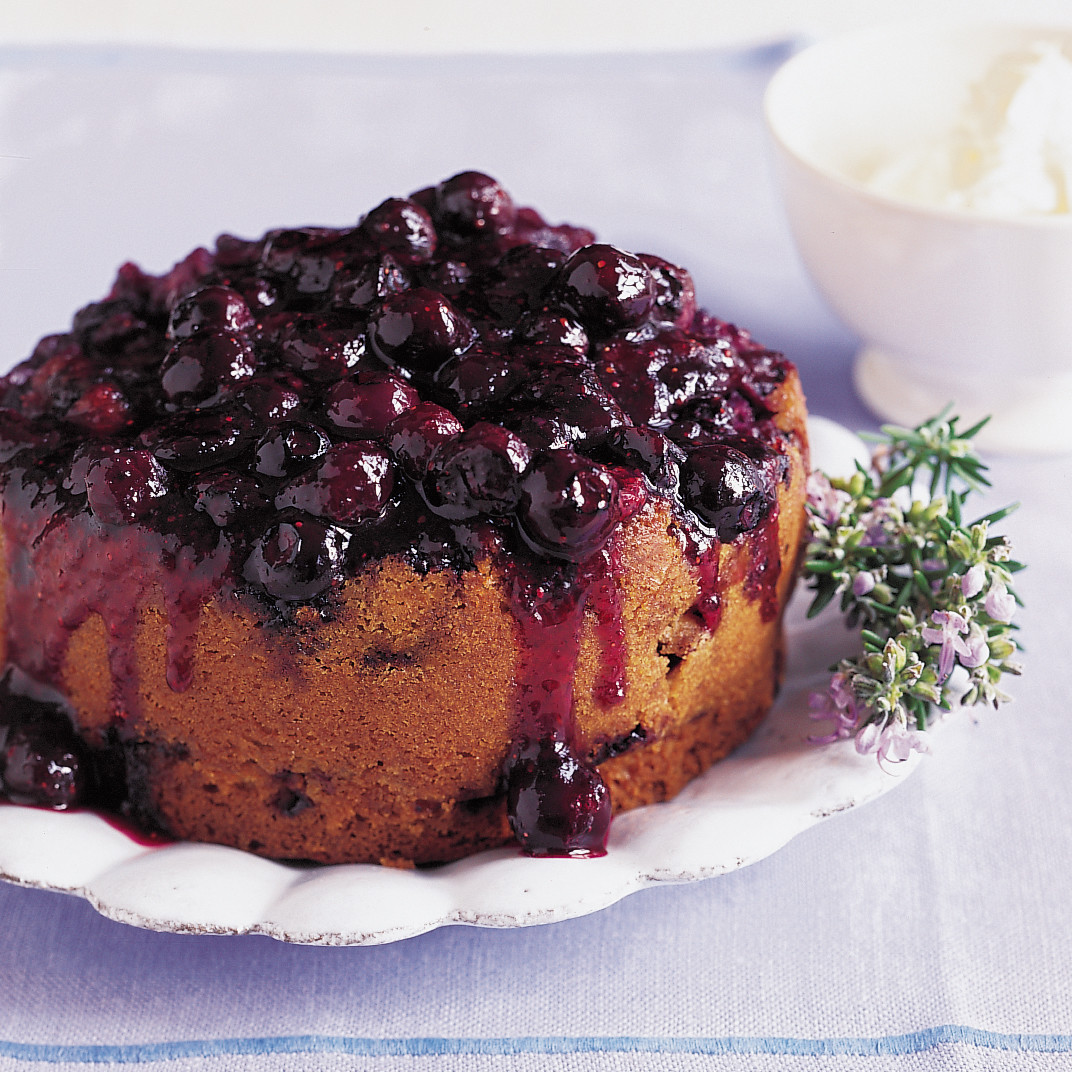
[450, 378]
[557, 802]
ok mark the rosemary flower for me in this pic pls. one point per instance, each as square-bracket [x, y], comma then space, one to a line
[931, 592]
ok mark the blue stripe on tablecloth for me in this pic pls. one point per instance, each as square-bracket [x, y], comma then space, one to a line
[879, 1046]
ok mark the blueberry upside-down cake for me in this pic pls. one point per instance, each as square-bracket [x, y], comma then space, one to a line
[393, 542]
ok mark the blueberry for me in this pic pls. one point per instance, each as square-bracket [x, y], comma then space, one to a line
[359, 288]
[419, 329]
[352, 482]
[403, 229]
[473, 203]
[727, 490]
[414, 436]
[289, 448]
[201, 438]
[323, 348]
[202, 369]
[271, 398]
[549, 328]
[477, 473]
[648, 451]
[18, 434]
[297, 559]
[557, 805]
[125, 486]
[568, 505]
[229, 497]
[309, 256]
[606, 288]
[102, 410]
[42, 765]
[363, 408]
[479, 380]
[213, 308]
[675, 294]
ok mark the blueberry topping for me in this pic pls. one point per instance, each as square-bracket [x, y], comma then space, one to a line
[401, 228]
[42, 767]
[472, 203]
[363, 408]
[230, 498]
[351, 482]
[101, 410]
[202, 369]
[477, 473]
[727, 490]
[200, 438]
[415, 435]
[557, 805]
[212, 308]
[297, 559]
[606, 288]
[289, 448]
[322, 348]
[419, 329]
[125, 486]
[568, 505]
[357, 289]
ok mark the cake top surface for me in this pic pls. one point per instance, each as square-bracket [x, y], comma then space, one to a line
[450, 373]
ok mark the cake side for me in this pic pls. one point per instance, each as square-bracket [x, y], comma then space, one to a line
[382, 734]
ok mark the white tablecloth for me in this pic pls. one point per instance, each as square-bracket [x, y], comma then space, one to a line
[929, 930]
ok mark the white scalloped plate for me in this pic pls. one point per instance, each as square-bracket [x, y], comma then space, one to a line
[743, 809]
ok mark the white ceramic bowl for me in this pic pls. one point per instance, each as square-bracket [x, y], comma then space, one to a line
[952, 305]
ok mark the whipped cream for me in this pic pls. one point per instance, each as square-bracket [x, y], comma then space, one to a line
[1010, 151]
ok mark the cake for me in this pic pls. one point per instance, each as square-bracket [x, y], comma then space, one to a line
[393, 542]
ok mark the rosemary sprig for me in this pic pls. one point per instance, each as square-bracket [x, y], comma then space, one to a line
[930, 592]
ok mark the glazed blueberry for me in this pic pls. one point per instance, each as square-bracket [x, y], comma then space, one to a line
[229, 497]
[401, 228]
[323, 348]
[359, 288]
[472, 203]
[289, 448]
[203, 369]
[363, 408]
[414, 436]
[212, 308]
[297, 559]
[232, 252]
[557, 805]
[352, 482]
[675, 294]
[647, 450]
[102, 410]
[196, 440]
[260, 293]
[271, 399]
[477, 473]
[308, 257]
[448, 277]
[606, 288]
[107, 324]
[18, 434]
[548, 328]
[727, 490]
[479, 380]
[418, 329]
[125, 486]
[40, 764]
[568, 505]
